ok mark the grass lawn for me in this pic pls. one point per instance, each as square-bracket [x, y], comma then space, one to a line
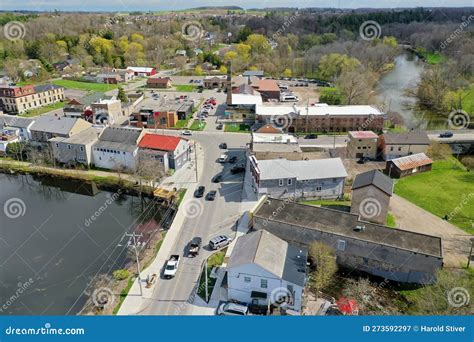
[468, 101]
[185, 87]
[42, 110]
[123, 295]
[102, 87]
[182, 123]
[237, 128]
[214, 260]
[391, 221]
[448, 189]
[197, 125]
[434, 58]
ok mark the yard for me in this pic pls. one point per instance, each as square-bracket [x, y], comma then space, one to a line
[42, 110]
[237, 128]
[185, 87]
[102, 87]
[446, 190]
[182, 123]
[197, 126]
[214, 260]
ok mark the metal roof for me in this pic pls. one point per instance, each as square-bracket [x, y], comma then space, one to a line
[319, 110]
[405, 138]
[375, 178]
[412, 161]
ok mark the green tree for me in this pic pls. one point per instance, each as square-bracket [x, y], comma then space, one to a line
[324, 257]
[121, 95]
[332, 65]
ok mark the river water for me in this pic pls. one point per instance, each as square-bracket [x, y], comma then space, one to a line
[56, 237]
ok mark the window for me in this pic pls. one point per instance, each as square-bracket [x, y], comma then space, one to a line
[399, 148]
[318, 188]
[391, 148]
[81, 148]
[289, 181]
[263, 283]
[341, 245]
[68, 147]
[247, 279]
[280, 182]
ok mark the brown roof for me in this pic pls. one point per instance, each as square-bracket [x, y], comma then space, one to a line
[158, 80]
[412, 161]
[268, 129]
[411, 138]
[268, 85]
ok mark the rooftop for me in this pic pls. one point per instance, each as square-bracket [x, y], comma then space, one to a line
[412, 161]
[158, 80]
[412, 138]
[46, 87]
[258, 73]
[54, 124]
[85, 137]
[159, 142]
[318, 110]
[246, 99]
[343, 224]
[140, 69]
[268, 85]
[363, 134]
[15, 121]
[375, 178]
[278, 138]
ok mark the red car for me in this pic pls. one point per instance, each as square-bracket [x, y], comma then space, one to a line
[212, 102]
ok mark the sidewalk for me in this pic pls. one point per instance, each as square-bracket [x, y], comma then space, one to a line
[184, 178]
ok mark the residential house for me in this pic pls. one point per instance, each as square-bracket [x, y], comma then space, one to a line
[371, 192]
[7, 136]
[117, 148]
[16, 99]
[262, 269]
[362, 144]
[82, 107]
[109, 78]
[180, 53]
[158, 82]
[282, 178]
[51, 126]
[22, 125]
[142, 71]
[107, 111]
[125, 75]
[176, 148]
[359, 245]
[396, 145]
[77, 149]
[408, 165]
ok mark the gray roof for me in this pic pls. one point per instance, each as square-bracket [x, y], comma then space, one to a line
[15, 121]
[271, 253]
[54, 124]
[84, 137]
[301, 169]
[343, 224]
[253, 73]
[375, 178]
[46, 87]
[412, 138]
[119, 138]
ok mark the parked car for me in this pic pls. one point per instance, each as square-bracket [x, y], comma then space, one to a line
[223, 146]
[237, 169]
[171, 266]
[211, 195]
[311, 136]
[194, 247]
[199, 192]
[446, 135]
[232, 159]
[217, 178]
[220, 126]
[186, 132]
[232, 309]
[223, 158]
[191, 81]
[362, 160]
[219, 242]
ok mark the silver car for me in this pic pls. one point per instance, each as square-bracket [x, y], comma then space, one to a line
[232, 309]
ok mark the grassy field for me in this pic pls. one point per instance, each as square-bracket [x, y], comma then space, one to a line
[185, 87]
[182, 123]
[42, 110]
[391, 221]
[237, 128]
[197, 126]
[434, 58]
[448, 189]
[102, 87]
[468, 101]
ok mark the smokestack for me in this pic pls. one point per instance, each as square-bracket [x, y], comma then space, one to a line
[229, 83]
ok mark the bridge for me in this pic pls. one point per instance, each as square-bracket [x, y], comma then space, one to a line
[462, 141]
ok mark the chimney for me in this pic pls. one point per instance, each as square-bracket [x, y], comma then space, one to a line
[229, 83]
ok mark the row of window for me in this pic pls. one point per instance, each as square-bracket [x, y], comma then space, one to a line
[108, 151]
[263, 282]
[289, 181]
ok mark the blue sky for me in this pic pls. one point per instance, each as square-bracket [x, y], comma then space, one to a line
[144, 5]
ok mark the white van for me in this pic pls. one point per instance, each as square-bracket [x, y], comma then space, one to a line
[289, 98]
[283, 87]
[223, 158]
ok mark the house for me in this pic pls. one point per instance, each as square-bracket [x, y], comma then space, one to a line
[109, 78]
[180, 53]
[396, 145]
[82, 107]
[77, 149]
[359, 245]
[254, 73]
[22, 124]
[264, 268]
[117, 148]
[7, 136]
[362, 144]
[125, 75]
[282, 178]
[266, 146]
[50, 126]
[16, 99]
[176, 148]
[408, 165]
[371, 192]
[323, 118]
[164, 116]
[142, 71]
[158, 82]
[269, 129]
[107, 111]
[217, 81]
[269, 89]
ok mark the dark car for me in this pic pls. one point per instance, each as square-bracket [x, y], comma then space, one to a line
[446, 135]
[199, 192]
[191, 81]
[237, 169]
[311, 136]
[232, 159]
[217, 178]
[363, 160]
[220, 126]
[194, 247]
[211, 195]
[223, 146]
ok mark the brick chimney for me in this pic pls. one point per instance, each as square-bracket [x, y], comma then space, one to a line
[229, 83]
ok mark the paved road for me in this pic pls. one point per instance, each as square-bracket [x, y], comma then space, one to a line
[217, 217]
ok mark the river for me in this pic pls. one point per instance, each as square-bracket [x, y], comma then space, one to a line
[56, 237]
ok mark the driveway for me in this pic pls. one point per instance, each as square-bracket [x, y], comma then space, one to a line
[455, 241]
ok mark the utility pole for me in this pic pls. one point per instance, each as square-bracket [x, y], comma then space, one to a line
[133, 239]
[205, 270]
[195, 161]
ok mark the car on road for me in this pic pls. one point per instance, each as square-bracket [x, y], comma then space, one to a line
[219, 242]
[217, 178]
[211, 195]
[223, 158]
[446, 135]
[238, 169]
[171, 266]
[232, 159]
[186, 132]
[191, 81]
[199, 192]
[194, 247]
[220, 126]
[223, 146]
[311, 136]
[232, 309]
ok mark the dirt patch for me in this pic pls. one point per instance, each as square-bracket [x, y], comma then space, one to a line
[353, 168]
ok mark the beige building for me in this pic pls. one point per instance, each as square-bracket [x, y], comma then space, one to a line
[48, 126]
[396, 145]
[107, 111]
[362, 144]
[19, 100]
[77, 149]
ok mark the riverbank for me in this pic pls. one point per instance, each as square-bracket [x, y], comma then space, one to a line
[109, 181]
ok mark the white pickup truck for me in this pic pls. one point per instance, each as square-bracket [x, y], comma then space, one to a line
[171, 267]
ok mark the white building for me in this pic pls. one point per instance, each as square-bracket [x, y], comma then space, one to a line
[264, 268]
[15, 122]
